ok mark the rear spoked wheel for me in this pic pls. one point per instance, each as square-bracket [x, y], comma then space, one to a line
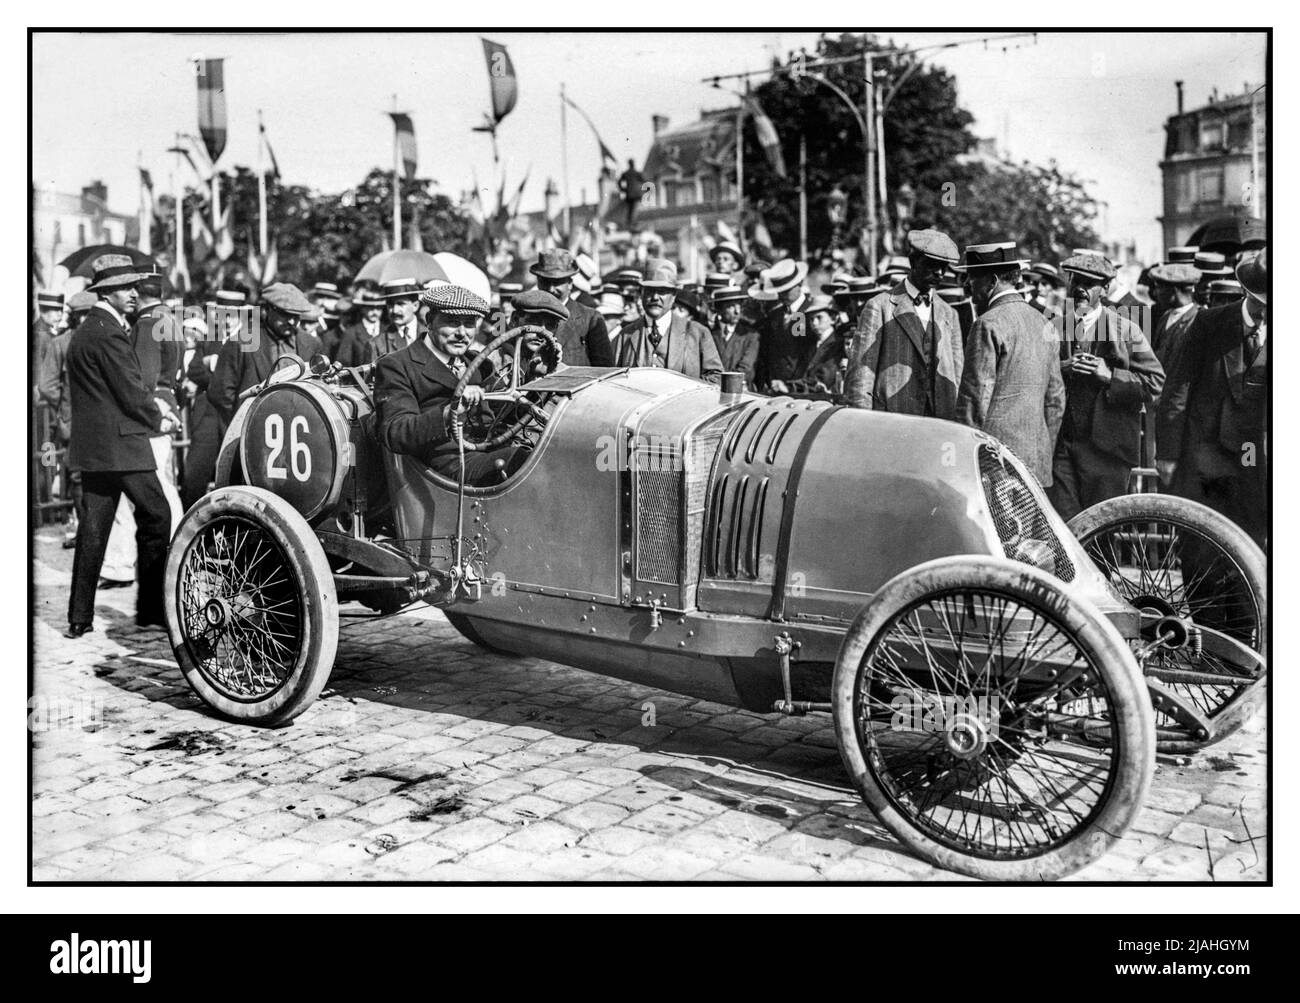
[995, 724]
[1172, 557]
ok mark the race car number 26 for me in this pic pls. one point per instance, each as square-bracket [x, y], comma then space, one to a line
[299, 454]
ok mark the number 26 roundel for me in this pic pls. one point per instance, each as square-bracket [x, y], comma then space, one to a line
[294, 443]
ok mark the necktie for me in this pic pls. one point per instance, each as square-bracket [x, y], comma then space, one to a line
[1252, 346]
[458, 367]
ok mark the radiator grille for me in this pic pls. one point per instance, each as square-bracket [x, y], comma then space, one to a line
[1022, 527]
[658, 538]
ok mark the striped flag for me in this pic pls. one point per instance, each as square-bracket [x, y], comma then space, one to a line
[212, 106]
[767, 137]
[201, 239]
[405, 142]
[225, 241]
[501, 80]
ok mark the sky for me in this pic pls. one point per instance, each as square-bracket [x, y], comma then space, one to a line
[1094, 102]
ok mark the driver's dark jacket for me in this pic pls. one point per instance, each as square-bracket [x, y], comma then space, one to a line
[412, 390]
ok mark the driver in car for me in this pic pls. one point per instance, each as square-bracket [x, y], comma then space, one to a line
[414, 389]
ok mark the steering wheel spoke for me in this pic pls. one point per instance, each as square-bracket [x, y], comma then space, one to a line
[514, 412]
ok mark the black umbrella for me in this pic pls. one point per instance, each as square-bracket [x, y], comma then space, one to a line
[81, 262]
[1229, 235]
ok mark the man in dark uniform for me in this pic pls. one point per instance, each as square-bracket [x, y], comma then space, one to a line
[114, 414]
[1212, 422]
[583, 336]
[285, 317]
[1011, 378]
[158, 341]
[1110, 373]
[227, 316]
[735, 339]
[907, 355]
[414, 385]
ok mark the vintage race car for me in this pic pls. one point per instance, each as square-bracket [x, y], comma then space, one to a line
[999, 684]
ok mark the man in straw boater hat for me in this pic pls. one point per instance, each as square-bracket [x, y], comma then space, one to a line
[285, 319]
[414, 387]
[583, 335]
[1011, 381]
[662, 337]
[1212, 420]
[785, 344]
[906, 355]
[114, 415]
[735, 338]
[1110, 374]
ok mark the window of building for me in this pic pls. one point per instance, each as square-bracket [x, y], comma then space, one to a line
[1209, 185]
[1183, 191]
[709, 188]
[1212, 135]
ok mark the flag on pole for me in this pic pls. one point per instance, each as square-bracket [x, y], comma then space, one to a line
[767, 137]
[225, 242]
[405, 142]
[262, 272]
[201, 239]
[145, 241]
[605, 153]
[513, 210]
[270, 153]
[501, 80]
[212, 105]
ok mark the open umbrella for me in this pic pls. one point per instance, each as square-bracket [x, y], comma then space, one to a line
[389, 265]
[82, 261]
[1230, 235]
[425, 268]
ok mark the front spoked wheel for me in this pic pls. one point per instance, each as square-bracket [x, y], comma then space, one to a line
[995, 724]
[1172, 557]
[251, 607]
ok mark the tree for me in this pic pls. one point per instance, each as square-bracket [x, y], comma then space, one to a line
[1045, 210]
[318, 237]
[927, 139]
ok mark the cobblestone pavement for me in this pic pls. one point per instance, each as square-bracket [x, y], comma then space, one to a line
[427, 759]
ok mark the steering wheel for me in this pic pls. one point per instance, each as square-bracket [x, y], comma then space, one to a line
[530, 413]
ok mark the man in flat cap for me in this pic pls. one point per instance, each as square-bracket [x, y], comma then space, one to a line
[114, 415]
[1110, 374]
[414, 388]
[1172, 288]
[906, 355]
[583, 336]
[284, 329]
[537, 308]
[735, 338]
[1212, 420]
[1011, 381]
[664, 338]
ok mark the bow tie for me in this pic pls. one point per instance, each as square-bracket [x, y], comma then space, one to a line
[921, 299]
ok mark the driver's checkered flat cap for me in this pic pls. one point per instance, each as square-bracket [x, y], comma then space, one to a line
[455, 300]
